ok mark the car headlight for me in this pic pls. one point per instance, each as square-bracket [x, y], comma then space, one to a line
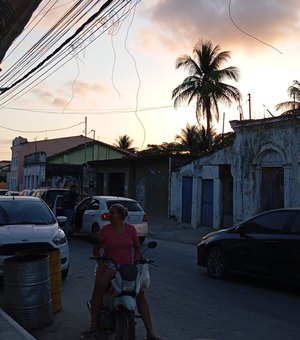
[60, 238]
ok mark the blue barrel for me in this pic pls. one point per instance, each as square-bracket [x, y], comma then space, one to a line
[27, 293]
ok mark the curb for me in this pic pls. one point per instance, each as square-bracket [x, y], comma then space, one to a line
[10, 329]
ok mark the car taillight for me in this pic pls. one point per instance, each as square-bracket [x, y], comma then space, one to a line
[105, 216]
[145, 218]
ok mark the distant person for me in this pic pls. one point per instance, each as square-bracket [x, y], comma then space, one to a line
[71, 201]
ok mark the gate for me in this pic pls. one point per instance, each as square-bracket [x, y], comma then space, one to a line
[187, 191]
[207, 202]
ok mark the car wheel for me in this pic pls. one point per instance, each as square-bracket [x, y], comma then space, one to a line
[95, 229]
[142, 239]
[216, 263]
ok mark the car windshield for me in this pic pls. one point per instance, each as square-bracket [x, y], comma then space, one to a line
[130, 205]
[25, 212]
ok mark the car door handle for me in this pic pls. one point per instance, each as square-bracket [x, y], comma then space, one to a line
[272, 241]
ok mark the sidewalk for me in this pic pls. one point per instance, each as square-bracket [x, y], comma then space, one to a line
[11, 330]
[170, 229]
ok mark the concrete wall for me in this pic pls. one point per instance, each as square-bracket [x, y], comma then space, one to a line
[206, 167]
[272, 143]
[265, 143]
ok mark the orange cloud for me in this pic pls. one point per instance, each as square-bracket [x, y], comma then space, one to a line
[182, 23]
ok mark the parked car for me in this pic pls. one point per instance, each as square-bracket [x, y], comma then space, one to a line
[54, 197]
[92, 213]
[266, 245]
[27, 225]
[26, 192]
[12, 193]
[3, 192]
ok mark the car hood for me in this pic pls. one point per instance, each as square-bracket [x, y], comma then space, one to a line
[216, 233]
[27, 232]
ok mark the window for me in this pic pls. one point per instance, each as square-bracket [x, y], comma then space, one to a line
[295, 227]
[130, 205]
[270, 223]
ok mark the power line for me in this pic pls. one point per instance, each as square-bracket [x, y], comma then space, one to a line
[93, 111]
[40, 131]
[88, 32]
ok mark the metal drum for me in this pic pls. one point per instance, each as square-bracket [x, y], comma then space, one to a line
[27, 295]
[55, 279]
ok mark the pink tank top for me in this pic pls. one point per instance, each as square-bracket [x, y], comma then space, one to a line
[118, 246]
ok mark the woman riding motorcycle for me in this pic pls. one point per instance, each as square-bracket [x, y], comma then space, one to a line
[118, 240]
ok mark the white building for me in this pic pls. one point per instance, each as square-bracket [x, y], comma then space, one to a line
[261, 171]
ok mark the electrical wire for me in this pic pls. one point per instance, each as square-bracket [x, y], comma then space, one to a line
[40, 131]
[250, 35]
[93, 111]
[104, 23]
[139, 80]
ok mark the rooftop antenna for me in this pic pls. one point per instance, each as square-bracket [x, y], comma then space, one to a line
[240, 109]
[268, 111]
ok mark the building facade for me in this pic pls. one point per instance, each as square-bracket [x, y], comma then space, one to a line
[261, 171]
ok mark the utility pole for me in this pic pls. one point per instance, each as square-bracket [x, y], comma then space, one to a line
[223, 123]
[294, 99]
[93, 143]
[249, 100]
[85, 129]
[240, 109]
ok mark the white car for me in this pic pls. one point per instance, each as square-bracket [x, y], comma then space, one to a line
[27, 225]
[92, 213]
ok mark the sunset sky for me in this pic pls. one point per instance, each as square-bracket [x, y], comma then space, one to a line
[122, 81]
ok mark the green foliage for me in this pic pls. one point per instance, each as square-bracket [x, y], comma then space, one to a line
[124, 142]
[162, 149]
[291, 106]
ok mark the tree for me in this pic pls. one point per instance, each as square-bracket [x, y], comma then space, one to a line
[161, 149]
[124, 142]
[292, 106]
[205, 83]
[194, 140]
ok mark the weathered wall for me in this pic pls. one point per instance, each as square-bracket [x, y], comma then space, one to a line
[264, 143]
[206, 167]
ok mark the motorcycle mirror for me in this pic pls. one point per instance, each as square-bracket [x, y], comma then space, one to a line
[152, 244]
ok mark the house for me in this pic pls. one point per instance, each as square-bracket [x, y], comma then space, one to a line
[4, 169]
[55, 162]
[260, 171]
[201, 192]
[144, 178]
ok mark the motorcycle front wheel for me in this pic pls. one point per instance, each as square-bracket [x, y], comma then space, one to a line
[125, 324]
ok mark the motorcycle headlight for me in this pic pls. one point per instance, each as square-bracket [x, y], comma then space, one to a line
[60, 238]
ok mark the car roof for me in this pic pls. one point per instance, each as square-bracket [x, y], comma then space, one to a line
[264, 212]
[110, 198]
[19, 198]
[50, 188]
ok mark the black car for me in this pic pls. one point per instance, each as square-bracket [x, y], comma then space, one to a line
[266, 245]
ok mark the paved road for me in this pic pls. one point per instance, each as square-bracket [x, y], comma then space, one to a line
[159, 228]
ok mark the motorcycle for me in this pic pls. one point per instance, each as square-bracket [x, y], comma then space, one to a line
[117, 315]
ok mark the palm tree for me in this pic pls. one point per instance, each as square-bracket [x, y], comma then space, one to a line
[293, 106]
[124, 142]
[194, 139]
[205, 83]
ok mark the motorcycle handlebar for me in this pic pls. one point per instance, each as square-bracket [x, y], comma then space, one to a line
[105, 258]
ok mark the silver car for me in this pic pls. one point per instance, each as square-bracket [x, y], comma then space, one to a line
[92, 213]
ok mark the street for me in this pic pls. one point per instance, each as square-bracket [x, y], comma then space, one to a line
[185, 303]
